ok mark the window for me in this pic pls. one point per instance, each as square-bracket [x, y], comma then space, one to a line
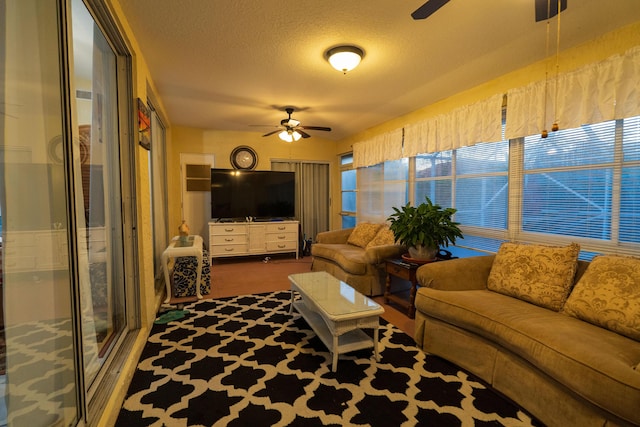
[579, 185]
[434, 178]
[472, 179]
[380, 188]
[584, 184]
[481, 190]
[629, 226]
[348, 191]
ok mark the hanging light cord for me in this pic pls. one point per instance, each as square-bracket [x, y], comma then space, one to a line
[546, 72]
[555, 106]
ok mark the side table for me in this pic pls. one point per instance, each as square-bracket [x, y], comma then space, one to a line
[178, 248]
[406, 271]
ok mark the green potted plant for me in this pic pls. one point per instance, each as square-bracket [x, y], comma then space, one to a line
[424, 229]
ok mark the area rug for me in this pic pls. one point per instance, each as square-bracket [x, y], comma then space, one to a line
[245, 361]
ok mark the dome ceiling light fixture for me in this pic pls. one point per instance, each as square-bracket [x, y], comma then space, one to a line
[344, 58]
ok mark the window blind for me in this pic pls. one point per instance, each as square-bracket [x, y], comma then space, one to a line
[629, 228]
[380, 188]
[481, 186]
[584, 184]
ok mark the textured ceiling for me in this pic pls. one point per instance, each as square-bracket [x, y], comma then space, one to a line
[228, 64]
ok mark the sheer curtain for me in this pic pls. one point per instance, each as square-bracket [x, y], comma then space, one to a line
[158, 181]
[312, 194]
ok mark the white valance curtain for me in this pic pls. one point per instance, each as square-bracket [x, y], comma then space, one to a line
[380, 148]
[467, 125]
[598, 92]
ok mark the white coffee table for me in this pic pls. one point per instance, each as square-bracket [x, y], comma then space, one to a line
[336, 312]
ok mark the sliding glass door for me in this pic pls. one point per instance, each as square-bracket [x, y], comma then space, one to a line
[97, 190]
[38, 366]
[62, 249]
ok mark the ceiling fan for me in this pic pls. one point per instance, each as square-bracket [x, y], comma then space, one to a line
[291, 130]
[545, 9]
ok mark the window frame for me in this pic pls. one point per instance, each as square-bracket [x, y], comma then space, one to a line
[346, 164]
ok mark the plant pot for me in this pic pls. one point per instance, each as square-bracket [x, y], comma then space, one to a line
[422, 252]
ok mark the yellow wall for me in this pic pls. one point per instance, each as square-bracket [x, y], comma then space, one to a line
[221, 143]
[149, 301]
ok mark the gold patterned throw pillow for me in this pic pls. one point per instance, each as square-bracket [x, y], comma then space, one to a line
[384, 236]
[608, 295]
[363, 233]
[541, 275]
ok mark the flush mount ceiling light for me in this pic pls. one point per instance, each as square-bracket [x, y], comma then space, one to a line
[344, 58]
[289, 135]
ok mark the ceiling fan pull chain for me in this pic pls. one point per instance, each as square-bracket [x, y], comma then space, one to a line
[555, 127]
[545, 133]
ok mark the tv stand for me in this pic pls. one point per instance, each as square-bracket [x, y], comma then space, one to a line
[227, 239]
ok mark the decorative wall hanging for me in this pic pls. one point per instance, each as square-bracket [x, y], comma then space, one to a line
[144, 125]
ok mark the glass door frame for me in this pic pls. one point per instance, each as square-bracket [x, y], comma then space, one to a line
[92, 400]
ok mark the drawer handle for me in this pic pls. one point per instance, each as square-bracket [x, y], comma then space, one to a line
[228, 230]
[228, 239]
[282, 246]
[282, 228]
[282, 237]
[228, 249]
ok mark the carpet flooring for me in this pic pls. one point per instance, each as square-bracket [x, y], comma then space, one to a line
[245, 361]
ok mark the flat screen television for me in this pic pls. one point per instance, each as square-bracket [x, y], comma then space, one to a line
[262, 195]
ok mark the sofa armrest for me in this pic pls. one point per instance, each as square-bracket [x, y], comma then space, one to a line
[456, 274]
[334, 236]
[377, 254]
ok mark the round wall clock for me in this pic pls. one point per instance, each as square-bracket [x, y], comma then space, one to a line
[244, 157]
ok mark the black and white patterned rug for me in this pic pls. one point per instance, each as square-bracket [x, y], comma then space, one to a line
[245, 361]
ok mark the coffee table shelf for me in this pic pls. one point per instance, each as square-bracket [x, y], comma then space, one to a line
[351, 341]
[336, 312]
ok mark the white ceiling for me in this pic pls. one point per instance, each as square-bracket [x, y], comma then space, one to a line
[228, 64]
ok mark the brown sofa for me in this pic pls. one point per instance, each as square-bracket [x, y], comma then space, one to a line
[563, 370]
[356, 255]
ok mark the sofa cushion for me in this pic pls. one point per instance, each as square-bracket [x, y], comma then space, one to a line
[541, 275]
[350, 258]
[363, 233]
[384, 236]
[591, 361]
[608, 295]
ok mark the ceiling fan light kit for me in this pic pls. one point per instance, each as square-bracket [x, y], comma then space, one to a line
[289, 136]
[344, 58]
[291, 130]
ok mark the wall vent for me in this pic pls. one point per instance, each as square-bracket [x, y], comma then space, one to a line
[83, 94]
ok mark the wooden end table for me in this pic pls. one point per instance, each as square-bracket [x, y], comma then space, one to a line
[407, 271]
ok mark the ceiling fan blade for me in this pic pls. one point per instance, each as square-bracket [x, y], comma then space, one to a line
[428, 9]
[303, 133]
[326, 129]
[546, 9]
[273, 132]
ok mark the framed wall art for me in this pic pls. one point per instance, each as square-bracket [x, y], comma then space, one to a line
[144, 125]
